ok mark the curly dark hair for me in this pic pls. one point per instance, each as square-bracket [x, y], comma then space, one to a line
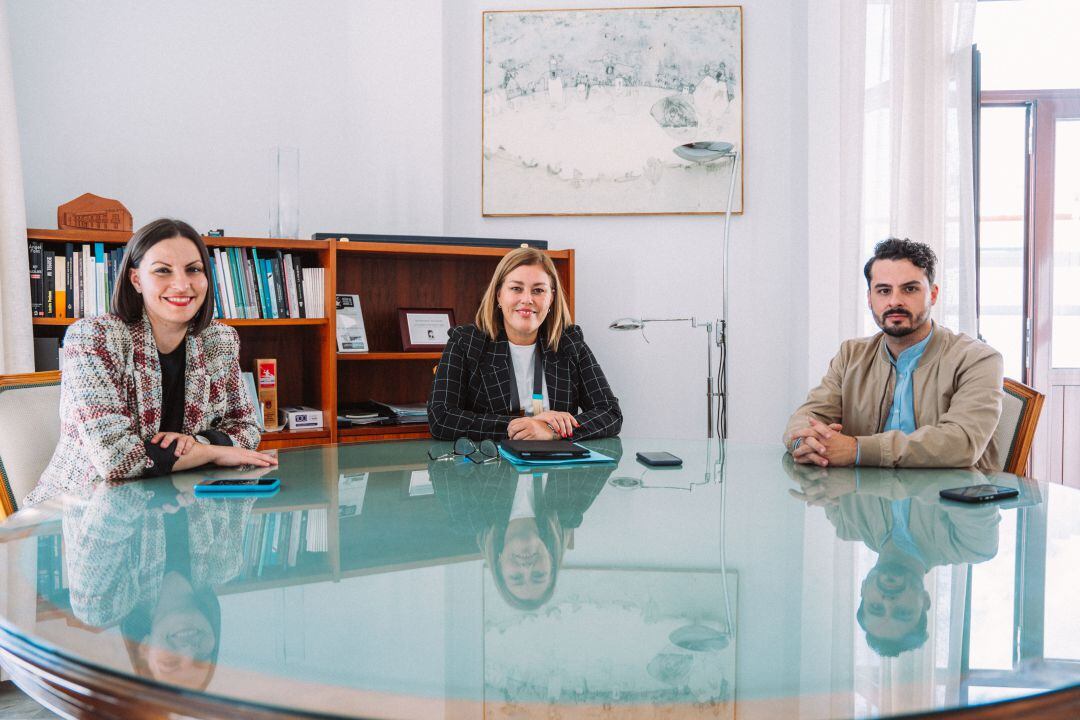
[918, 254]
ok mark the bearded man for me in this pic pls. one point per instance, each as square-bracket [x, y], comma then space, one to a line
[915, 394]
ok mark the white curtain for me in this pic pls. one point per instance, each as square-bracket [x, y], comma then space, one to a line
[889, 154]
[16, 331]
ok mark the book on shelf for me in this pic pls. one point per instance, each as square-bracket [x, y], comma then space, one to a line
[37, 275]
[253, 395]
[351, 335]
[50, 283]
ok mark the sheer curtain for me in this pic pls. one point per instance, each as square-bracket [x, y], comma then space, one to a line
[16, 331]
[889, 153]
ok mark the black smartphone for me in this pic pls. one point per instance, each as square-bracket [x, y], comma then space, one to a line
[659, 459]
[979, 493]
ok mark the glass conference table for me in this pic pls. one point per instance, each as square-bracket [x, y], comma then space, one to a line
[380, 584]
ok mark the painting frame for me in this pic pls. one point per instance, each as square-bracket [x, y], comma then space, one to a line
[622, 160]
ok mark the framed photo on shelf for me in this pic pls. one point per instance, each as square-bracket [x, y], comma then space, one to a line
[425, 328]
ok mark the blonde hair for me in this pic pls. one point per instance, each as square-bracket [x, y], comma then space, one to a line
[488, 317]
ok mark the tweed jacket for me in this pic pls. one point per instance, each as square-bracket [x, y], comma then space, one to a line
[110, 400]
[471, 394]
[115, 542]
[957, 395]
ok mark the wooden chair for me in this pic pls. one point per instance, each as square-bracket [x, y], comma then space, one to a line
[1016, 428]
[29, 431]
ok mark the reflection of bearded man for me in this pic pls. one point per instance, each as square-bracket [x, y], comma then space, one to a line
[894, 605]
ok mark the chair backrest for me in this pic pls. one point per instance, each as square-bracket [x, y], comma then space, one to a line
[1016, 428]
[29, 431]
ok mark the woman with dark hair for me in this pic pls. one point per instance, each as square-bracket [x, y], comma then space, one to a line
[523, 371]
[154, 386]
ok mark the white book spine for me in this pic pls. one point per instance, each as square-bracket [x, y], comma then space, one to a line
[89, 289]
[226, 274]
[99, 278]
[290, 282]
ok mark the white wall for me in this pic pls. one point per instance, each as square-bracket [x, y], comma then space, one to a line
[173, 108]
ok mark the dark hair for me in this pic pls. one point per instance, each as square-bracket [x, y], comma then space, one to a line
[127, 302]
[886, 647]
[918, 254]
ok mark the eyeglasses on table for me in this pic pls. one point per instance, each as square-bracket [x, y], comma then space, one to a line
[465, 447]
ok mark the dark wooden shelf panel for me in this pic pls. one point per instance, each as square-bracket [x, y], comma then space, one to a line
[390, 356]
[315, 434]
[366, 432]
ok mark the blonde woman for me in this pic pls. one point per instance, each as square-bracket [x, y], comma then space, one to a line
[522, 371]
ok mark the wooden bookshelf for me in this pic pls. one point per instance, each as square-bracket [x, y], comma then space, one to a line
[386, 276]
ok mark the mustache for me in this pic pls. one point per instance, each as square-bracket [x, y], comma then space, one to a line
[889, 313]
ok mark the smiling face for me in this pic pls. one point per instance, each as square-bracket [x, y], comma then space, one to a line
[900, 297]
[525, 562]
[179, 648]
[524, 298]
[172, 282]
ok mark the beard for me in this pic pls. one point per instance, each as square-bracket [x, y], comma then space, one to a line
[901, 330]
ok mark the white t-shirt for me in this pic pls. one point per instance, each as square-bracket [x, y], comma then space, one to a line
[524, 359]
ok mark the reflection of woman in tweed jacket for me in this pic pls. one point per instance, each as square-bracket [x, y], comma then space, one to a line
[148, 558]
[154, 386]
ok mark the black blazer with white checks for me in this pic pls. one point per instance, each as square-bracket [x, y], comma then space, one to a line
[471, 394]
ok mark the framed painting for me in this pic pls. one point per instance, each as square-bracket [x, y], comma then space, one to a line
[622, 111]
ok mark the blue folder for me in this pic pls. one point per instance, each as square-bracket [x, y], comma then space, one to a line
[591, 458]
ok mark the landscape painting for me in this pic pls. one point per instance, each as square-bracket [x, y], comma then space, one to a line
[584, 111]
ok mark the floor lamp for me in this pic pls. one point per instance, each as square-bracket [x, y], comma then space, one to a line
[701, 153]
[710, 392]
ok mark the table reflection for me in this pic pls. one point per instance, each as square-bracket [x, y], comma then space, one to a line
[146, 556]
[522, 519]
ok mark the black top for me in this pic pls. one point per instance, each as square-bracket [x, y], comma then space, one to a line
[173, 369]
[173, 366]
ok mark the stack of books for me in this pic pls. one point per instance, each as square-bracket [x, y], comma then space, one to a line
[262, 288]
[75, 283]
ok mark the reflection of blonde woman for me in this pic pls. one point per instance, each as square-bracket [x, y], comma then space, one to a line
[525, 551]
[522, 522]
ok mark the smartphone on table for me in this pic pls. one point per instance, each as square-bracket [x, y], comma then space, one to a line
[262, 486]
[979, 493]
[659, 459]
